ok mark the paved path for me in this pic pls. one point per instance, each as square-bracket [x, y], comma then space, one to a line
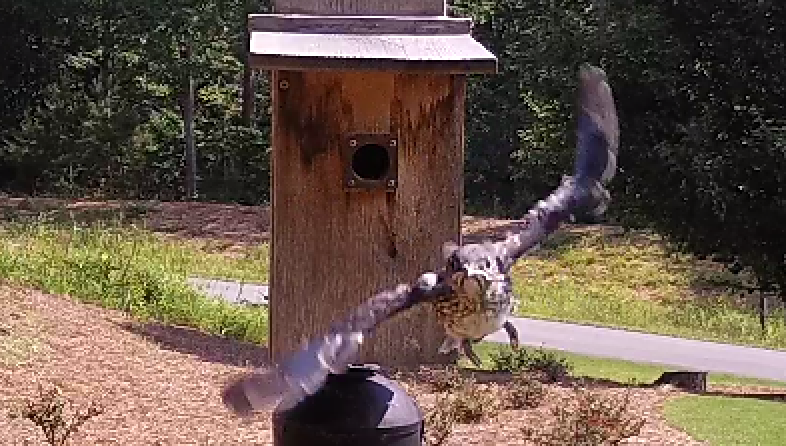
[235, 292]
[683, 354]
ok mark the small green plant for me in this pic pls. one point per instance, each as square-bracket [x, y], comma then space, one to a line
[459, 399]
[446, 380]
[549, 365]
[591, 419]
[546, 364]
[471, 403]
[439, 421]
[525, 392]
[55, 415]
[509, 360]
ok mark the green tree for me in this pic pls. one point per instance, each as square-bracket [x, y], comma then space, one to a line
[725, 163]
[699, 89]
[108, 116]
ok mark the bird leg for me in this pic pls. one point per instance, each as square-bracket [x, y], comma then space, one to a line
[513, 334]
[466, 347]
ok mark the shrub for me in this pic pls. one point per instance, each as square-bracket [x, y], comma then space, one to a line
[446, 380]
[440, 421]
[548, 365]
[592, 419]
[472, 403]
[525, 392]
[55, 415]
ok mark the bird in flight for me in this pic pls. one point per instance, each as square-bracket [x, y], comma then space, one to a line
[472, 293]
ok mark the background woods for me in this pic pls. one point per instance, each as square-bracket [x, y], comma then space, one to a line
[95, 101]
[96, 92]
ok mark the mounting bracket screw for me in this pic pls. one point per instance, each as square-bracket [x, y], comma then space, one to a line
[353, 143]
[283, 84]
[351, 182]
[393, 142]
[391, 183]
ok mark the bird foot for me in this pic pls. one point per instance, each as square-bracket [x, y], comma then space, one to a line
[513, 334]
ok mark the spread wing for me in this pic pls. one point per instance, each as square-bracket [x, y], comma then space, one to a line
[598, 134]
[304, 372]
[597, 143]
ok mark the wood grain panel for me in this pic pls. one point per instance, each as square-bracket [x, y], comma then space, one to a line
[333, 248]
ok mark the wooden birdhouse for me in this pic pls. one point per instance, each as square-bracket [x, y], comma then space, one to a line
[368, 147]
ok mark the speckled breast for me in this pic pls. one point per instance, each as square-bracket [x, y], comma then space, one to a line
[475, 313]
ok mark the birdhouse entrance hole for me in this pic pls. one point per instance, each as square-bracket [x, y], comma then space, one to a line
[370, 162]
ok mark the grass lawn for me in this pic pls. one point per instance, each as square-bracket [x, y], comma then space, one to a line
[729, 421]
[599, 275]
[620, 371]
[118, 265]
[632, 280]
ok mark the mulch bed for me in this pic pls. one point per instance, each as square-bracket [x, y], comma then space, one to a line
[161, 385]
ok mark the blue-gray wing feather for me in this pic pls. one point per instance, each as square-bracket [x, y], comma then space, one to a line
[302, 373]
[597, 143]
[597, 131]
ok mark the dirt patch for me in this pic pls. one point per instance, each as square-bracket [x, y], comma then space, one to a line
[215, 221]
[236, 223]
[245, 224]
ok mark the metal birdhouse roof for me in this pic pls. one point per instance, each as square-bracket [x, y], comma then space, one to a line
[399, 43]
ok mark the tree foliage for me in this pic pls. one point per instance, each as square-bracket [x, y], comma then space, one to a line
[106, 116]
[700, 94]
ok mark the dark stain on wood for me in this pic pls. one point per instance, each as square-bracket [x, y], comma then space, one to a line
[315, 126]
[389, 220]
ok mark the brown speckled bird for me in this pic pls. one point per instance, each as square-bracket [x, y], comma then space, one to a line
[472, 294]
[482, 297]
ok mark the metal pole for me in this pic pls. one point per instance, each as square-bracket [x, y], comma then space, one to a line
[763, 311]
[188, 118]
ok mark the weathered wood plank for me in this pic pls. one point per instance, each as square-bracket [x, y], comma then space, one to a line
[428, 115]
[361, 7]
[453, 53]
[387, 65]
[358, 25]
[332, 248]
